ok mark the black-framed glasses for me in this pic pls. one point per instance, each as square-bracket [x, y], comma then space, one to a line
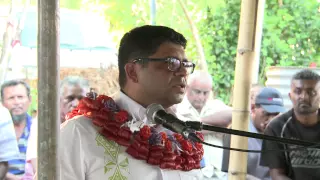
[174, 64]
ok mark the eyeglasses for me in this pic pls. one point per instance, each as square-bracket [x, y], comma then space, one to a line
[174, 64]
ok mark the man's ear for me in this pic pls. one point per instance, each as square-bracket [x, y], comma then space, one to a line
[131, 72]
[289, 94]
[253, 108]
[30, 98]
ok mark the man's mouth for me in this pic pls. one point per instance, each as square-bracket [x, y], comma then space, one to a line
[304, 105]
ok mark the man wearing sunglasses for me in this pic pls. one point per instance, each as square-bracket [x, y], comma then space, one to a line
[153, 68]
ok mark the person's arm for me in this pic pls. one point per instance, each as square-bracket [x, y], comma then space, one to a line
[275, 160]
[278, 174]
[34, 165]
[221, 118]
[8, 142]
[3, 170]
[72, 165]
[10, 176]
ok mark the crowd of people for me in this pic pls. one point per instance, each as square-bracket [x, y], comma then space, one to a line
[153, 68]
[18, 129]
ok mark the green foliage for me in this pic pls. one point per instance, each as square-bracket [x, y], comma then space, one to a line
[126, 14]
[34, 102]
[220, 32]
[291, 34]
[290, 38]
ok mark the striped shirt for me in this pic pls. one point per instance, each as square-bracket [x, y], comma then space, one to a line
[17, 166]
[8, 143]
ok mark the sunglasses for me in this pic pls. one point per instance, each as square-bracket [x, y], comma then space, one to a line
[174, 64]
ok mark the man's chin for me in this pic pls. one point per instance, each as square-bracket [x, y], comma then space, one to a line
[177, 98]
[306, 111]
[17, 119]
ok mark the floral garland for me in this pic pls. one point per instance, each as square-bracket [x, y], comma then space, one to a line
[165, 149]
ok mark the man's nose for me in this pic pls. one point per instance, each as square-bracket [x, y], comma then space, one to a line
[182, 71]
[304, 95]
[16, 100]
[202, 96]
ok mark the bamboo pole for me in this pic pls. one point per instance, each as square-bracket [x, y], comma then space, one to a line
[243, 79]
[48, 94]
[258, 35]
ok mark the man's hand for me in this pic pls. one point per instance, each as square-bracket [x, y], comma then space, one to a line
[10, 176]
[278, 174]
[3, 170]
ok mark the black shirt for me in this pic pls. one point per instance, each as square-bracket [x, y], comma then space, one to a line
[299, 164]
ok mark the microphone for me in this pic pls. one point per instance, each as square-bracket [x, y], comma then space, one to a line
[157, 114]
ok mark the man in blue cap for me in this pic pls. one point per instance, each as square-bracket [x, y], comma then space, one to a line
[268, 104]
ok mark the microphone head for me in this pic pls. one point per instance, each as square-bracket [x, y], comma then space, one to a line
[152, 109]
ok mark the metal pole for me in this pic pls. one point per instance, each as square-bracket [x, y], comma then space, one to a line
[257, 48]
[48, 91]
[242, 84]
[153, 12]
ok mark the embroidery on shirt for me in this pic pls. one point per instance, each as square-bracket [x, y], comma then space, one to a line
[111, 149]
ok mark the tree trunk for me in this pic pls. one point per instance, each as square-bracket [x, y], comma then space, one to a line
[202, 60]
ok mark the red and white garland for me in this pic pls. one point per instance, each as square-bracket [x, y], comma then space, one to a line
[165, 149]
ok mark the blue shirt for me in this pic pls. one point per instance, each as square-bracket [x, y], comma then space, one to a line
[17, 166]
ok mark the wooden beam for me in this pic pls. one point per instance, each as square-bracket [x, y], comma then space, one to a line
[48, 94]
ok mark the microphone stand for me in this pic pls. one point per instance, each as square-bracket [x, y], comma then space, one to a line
[198, 126]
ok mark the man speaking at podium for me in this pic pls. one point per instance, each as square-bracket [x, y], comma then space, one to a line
[114, 140]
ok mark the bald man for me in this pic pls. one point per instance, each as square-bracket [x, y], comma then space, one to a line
[198, 102]
[198, 105]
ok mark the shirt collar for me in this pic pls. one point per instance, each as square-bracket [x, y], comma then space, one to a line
[136, 110]
[29, 120]
[185, 106]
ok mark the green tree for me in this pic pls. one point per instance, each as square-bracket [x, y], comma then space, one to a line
[126, 14]
[290, 38]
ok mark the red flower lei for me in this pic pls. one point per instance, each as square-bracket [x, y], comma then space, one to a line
[165, 149]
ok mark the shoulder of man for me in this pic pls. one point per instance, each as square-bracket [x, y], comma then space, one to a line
[216, 102]
[78, 123]
[279, 121]
[5, 115]
[214, 105]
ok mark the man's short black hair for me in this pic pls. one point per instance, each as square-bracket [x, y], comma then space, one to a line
[14, 83]
[306, 74]
[142, 42]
